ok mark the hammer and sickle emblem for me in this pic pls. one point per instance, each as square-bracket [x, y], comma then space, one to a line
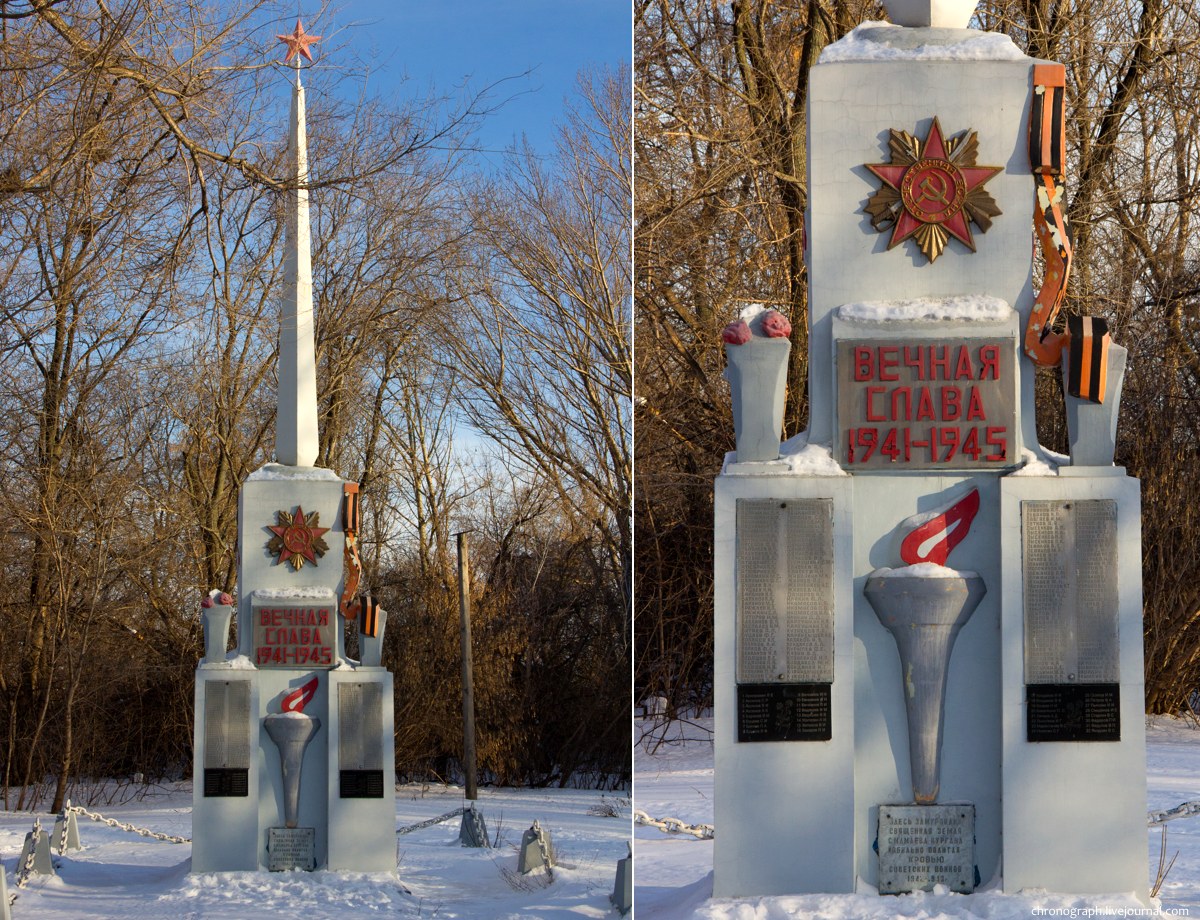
[933, 187]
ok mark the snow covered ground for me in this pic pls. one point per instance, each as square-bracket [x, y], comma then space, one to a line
[674, 778]
[121, 875]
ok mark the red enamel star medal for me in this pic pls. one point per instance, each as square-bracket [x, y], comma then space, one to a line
[932, 190]
[297, 538]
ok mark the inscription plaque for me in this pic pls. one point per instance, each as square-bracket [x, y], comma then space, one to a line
[785, 590]
[227, 725]
[360, 719]
[925, 845]
[226, 782]
[360, 740]
[927, 403]
[294, 634]
[784, 712]
[1069, 566]
[360, 784]
[291, 848]
[1073, 712]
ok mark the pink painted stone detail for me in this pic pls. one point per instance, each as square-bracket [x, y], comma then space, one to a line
[225, 600]
[206, 603]
[736, 333]
[775, 325]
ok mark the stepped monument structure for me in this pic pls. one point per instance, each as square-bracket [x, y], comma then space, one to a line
[928, 638]
[294, 752]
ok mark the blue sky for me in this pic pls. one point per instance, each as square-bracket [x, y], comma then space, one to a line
[481, 42]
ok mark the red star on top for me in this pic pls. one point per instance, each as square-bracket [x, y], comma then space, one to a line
[934, 188]
[298, 42]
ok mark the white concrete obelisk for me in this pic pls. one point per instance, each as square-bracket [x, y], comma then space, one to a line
[296, 419]
[294, 742]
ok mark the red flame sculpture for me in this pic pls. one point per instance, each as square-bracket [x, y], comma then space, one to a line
[933, 540]
[298, 698]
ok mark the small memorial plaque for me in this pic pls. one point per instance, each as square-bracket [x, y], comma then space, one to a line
[226, 782]
[292, 848]
[925, 845]
[1073, 712]
[294, 634]
[935, 404]
[360, 784]
[784, 712]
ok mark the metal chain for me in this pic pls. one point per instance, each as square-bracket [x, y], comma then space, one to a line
[431, 822]
[120, 825]
[1186, 810]
[26, 870]
[61, 844]
[675, 826]
[707, 831]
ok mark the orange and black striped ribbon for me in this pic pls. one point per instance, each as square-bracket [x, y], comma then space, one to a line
[1047, 161]
[1087, 373]
[368, 623]
[350, 508]
[1086, 337]
[353, 565]
[1047, 134]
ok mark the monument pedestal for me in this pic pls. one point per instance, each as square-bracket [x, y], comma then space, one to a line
[339, 793]
[784, 638]
[921, 288]
[1073, 695]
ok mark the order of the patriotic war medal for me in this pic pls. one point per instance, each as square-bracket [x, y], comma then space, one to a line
[297, 538]
[932, 191]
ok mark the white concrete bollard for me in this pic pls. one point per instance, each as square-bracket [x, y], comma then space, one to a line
[65, 835]
[622, 896]
[537, 850]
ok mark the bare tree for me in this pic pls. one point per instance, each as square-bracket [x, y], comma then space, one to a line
[544, 349]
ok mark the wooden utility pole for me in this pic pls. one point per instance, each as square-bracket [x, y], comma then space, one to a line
[468, 679]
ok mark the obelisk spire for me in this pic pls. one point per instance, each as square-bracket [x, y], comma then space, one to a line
[296, 412]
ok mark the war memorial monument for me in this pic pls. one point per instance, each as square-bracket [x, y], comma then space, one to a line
[294, 752]
[928, 636]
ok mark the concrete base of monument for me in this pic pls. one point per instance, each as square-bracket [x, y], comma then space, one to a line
[784, 747]
[921, 846]
[346, 788]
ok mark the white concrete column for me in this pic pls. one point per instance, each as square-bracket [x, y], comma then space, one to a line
[296, 418]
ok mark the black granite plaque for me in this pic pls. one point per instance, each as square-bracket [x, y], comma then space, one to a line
[360, 784]
[784, 712]
[291, 848]
[1073, 712]
[226, 782]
